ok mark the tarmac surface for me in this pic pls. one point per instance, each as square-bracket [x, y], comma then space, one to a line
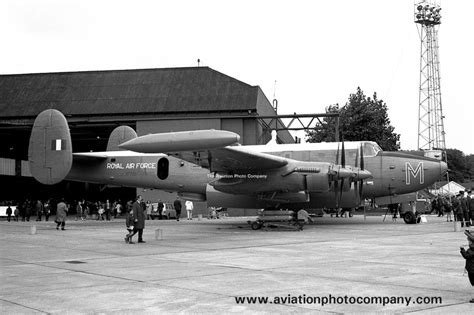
[335, 265]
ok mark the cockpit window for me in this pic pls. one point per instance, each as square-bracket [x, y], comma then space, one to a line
[371, 149]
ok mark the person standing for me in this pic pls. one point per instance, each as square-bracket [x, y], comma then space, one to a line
[28, 208]
[47, 210]
[149, 209]
[107, 209]
[139, 218]
[177, 207]
[465, 209]
[129, 222]
[61, 213]
[79, 210]
[469, 257]
[456, 204]
[446, 207]
[189, 209]
[85, 209]
[160, 209]
[118, 208]
[17, 213]
[470, 203]
[100, 211]
[9, 213]
[39, 210]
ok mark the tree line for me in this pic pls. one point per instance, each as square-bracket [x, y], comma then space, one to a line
[366, 118]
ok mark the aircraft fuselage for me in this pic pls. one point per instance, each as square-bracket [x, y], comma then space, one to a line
[392, 173]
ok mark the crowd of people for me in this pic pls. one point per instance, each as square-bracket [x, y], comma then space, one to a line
[458, 208]
[82, 209]
[24, 210]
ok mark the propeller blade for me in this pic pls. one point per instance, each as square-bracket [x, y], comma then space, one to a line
[356, 158]
[340, 192]
[343, 154]
[336, 191]
[361, 181]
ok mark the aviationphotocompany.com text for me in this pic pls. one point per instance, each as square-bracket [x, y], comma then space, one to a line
[339, 300]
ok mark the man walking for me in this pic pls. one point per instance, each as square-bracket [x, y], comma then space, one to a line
[177, 207]
[139, 218]
[61, 213]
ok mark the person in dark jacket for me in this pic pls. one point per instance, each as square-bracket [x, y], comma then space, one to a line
[469, 256]
[139, 218]
[160, 209]
[177, 206]
[9, 213]
[458, 215]
[470, 205]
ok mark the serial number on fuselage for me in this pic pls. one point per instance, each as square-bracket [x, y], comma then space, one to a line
[121, 166]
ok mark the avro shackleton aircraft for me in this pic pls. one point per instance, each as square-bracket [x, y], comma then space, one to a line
[209, 165]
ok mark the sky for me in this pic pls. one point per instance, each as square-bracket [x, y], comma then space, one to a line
[306, 54]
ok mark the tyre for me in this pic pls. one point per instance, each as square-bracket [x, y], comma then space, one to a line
[256, 225]
[409, 217]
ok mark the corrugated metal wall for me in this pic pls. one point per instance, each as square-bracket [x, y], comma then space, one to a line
[11, 167]
[7, 167]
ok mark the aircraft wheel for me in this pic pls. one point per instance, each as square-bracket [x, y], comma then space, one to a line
[409, 218]
[256, 225]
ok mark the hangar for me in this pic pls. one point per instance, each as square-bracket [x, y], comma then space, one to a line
[148, 100]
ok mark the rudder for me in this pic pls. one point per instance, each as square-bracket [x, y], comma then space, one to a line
[50, 148]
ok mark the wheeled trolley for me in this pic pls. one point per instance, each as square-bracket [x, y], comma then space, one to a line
[278, 218]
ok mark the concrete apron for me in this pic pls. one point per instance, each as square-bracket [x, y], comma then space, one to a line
[202, 266]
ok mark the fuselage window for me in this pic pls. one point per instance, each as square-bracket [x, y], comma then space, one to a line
[163, 168]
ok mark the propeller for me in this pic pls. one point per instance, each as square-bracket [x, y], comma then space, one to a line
[343, 167]
[344, 176]
[341, 173]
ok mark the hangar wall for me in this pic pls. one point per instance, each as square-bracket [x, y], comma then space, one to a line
[150, 100]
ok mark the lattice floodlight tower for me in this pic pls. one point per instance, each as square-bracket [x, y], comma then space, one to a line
[430, 114]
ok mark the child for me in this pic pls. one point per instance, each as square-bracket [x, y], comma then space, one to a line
[101, 212]
[129, 221]
[469, 256]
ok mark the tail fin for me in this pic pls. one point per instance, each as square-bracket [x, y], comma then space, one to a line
[50, 148]
[120, 135]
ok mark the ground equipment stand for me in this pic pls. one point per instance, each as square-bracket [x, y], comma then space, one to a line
[277, 218]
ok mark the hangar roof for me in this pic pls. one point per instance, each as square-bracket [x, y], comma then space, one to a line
[165, 90]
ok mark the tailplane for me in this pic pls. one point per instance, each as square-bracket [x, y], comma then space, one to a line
[50, 148]
[120, 135]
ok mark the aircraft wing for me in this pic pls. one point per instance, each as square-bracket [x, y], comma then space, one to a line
[232, 159]
[211, 149]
